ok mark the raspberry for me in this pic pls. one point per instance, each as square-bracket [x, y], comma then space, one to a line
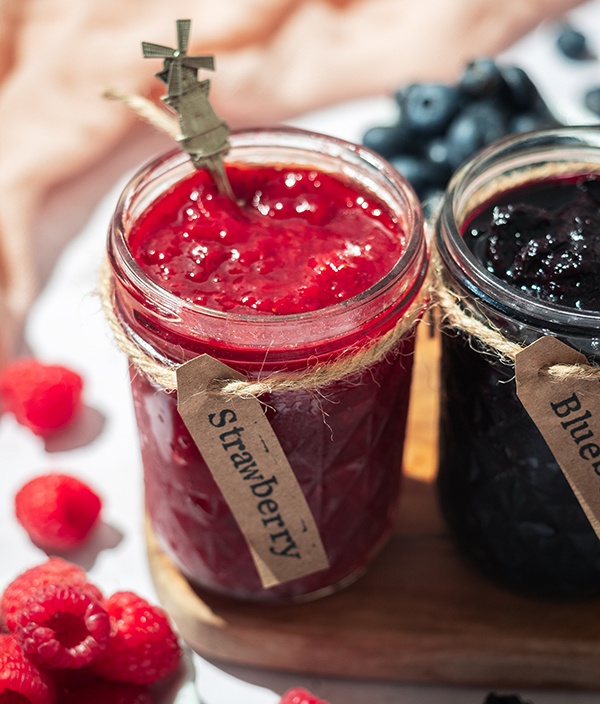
[82, 687]
[21, 682]
[61, 626]
[54, 571]
[43, 397]
[142, 648]
[58, 511]
[297, 695]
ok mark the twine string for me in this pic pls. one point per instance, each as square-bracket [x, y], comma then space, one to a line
[454, 314]
[147, 110]
[354, 360]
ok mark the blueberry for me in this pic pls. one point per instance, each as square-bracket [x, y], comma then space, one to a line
[400, 93]
[420, 173]
[464, 138]
[521, 91]
[386, 140]
[436, 152]
[592, 100]
[573, 44]
[476, 126]
[427, 108]
[481, 78]
[526, 121]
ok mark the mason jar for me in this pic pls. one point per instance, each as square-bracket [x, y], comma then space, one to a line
[501, 490]
[343, 441]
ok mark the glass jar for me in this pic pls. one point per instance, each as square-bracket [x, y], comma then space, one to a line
[343, 442]
[501, 490]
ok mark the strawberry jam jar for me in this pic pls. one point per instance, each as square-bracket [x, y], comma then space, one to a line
[325, 254]
[519, 241]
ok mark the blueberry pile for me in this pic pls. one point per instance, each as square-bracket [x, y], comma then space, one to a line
[439, 126]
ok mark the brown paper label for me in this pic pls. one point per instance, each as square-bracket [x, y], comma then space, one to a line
[245, 458]
[567, 413]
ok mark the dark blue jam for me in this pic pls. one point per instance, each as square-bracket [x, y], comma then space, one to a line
[547, 246]
[501, 490]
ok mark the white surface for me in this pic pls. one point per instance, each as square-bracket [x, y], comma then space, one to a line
[66, 325]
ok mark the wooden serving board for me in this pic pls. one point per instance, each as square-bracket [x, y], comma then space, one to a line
[420, 614]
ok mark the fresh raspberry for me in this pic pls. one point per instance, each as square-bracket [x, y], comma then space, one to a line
[21, 682]
[55, 570]
[297, 695]
[43, 397]
[61, 626]
[58, 511]
[142, 648]
[82, 687]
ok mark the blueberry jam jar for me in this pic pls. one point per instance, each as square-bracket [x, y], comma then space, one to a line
[518, 237]
[308, 202]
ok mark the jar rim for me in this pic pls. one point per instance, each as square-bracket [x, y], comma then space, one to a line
[521, 151]
[279, 138]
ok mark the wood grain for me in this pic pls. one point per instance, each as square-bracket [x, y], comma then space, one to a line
[421, 613]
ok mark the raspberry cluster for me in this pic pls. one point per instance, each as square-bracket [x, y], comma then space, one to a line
[63, 642]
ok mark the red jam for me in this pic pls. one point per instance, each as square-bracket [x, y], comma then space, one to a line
[304, 242]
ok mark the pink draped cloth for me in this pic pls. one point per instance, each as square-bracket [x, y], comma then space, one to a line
[275, 59]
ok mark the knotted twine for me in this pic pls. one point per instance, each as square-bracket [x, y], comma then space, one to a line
[354, 359]
[453, 312]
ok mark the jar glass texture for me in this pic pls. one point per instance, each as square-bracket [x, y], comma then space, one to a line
[344, 442]
[501, 490]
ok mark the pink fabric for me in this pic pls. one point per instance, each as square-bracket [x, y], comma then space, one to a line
[274, 58]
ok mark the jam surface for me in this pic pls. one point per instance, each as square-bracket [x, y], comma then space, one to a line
[501, 489]
[301, 240]
[544, 240]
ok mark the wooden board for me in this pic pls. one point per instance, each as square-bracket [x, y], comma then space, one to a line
[421, 614]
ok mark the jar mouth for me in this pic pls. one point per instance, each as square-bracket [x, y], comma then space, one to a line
[297, 147]
[511, 162]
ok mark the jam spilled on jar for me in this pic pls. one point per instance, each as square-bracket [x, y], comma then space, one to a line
[544, 240]
[302, 240]
[501, 490]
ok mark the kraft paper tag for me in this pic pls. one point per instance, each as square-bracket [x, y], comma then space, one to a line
[246, 460]
[567, 413]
